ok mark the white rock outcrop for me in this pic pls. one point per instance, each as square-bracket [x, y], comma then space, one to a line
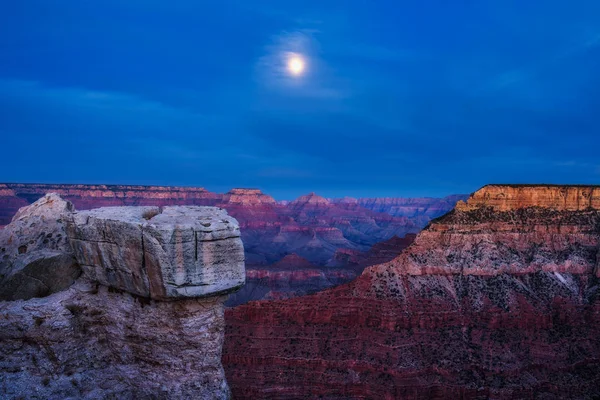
[110, 334]
[169, 253]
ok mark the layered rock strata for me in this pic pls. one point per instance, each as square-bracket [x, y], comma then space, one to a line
[553, 197]
[145, 320]
[493, 300]
[271, 229]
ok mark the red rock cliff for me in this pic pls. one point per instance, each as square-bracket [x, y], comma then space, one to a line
[494, 300]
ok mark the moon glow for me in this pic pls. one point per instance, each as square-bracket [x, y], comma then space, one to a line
[296, 65]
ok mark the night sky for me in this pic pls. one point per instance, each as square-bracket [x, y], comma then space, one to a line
[396, 98]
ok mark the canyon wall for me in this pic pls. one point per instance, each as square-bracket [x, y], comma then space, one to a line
[493, 300]
[144, 320]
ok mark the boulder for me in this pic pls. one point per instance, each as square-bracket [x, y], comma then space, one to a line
[160, 253]
[35, 256]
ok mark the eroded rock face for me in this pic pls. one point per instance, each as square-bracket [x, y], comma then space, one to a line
[94, 196]
[169, 253]
[36, 259]
[294, 275]
[309, 201]
[491, 301]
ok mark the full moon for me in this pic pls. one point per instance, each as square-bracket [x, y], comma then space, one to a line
[296, 65]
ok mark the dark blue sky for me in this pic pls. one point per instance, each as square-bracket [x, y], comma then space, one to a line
[398, 98]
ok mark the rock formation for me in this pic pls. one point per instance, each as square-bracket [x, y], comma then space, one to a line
[493, 300]
[9, 204]
[379, 253]
[309, 202]
[144, 320]
[94, 196]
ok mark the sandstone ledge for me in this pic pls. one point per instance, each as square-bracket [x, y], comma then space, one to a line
[170, 253]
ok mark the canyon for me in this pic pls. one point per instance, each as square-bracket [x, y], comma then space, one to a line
[338, 238]
[496, 299]
[140, 314]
